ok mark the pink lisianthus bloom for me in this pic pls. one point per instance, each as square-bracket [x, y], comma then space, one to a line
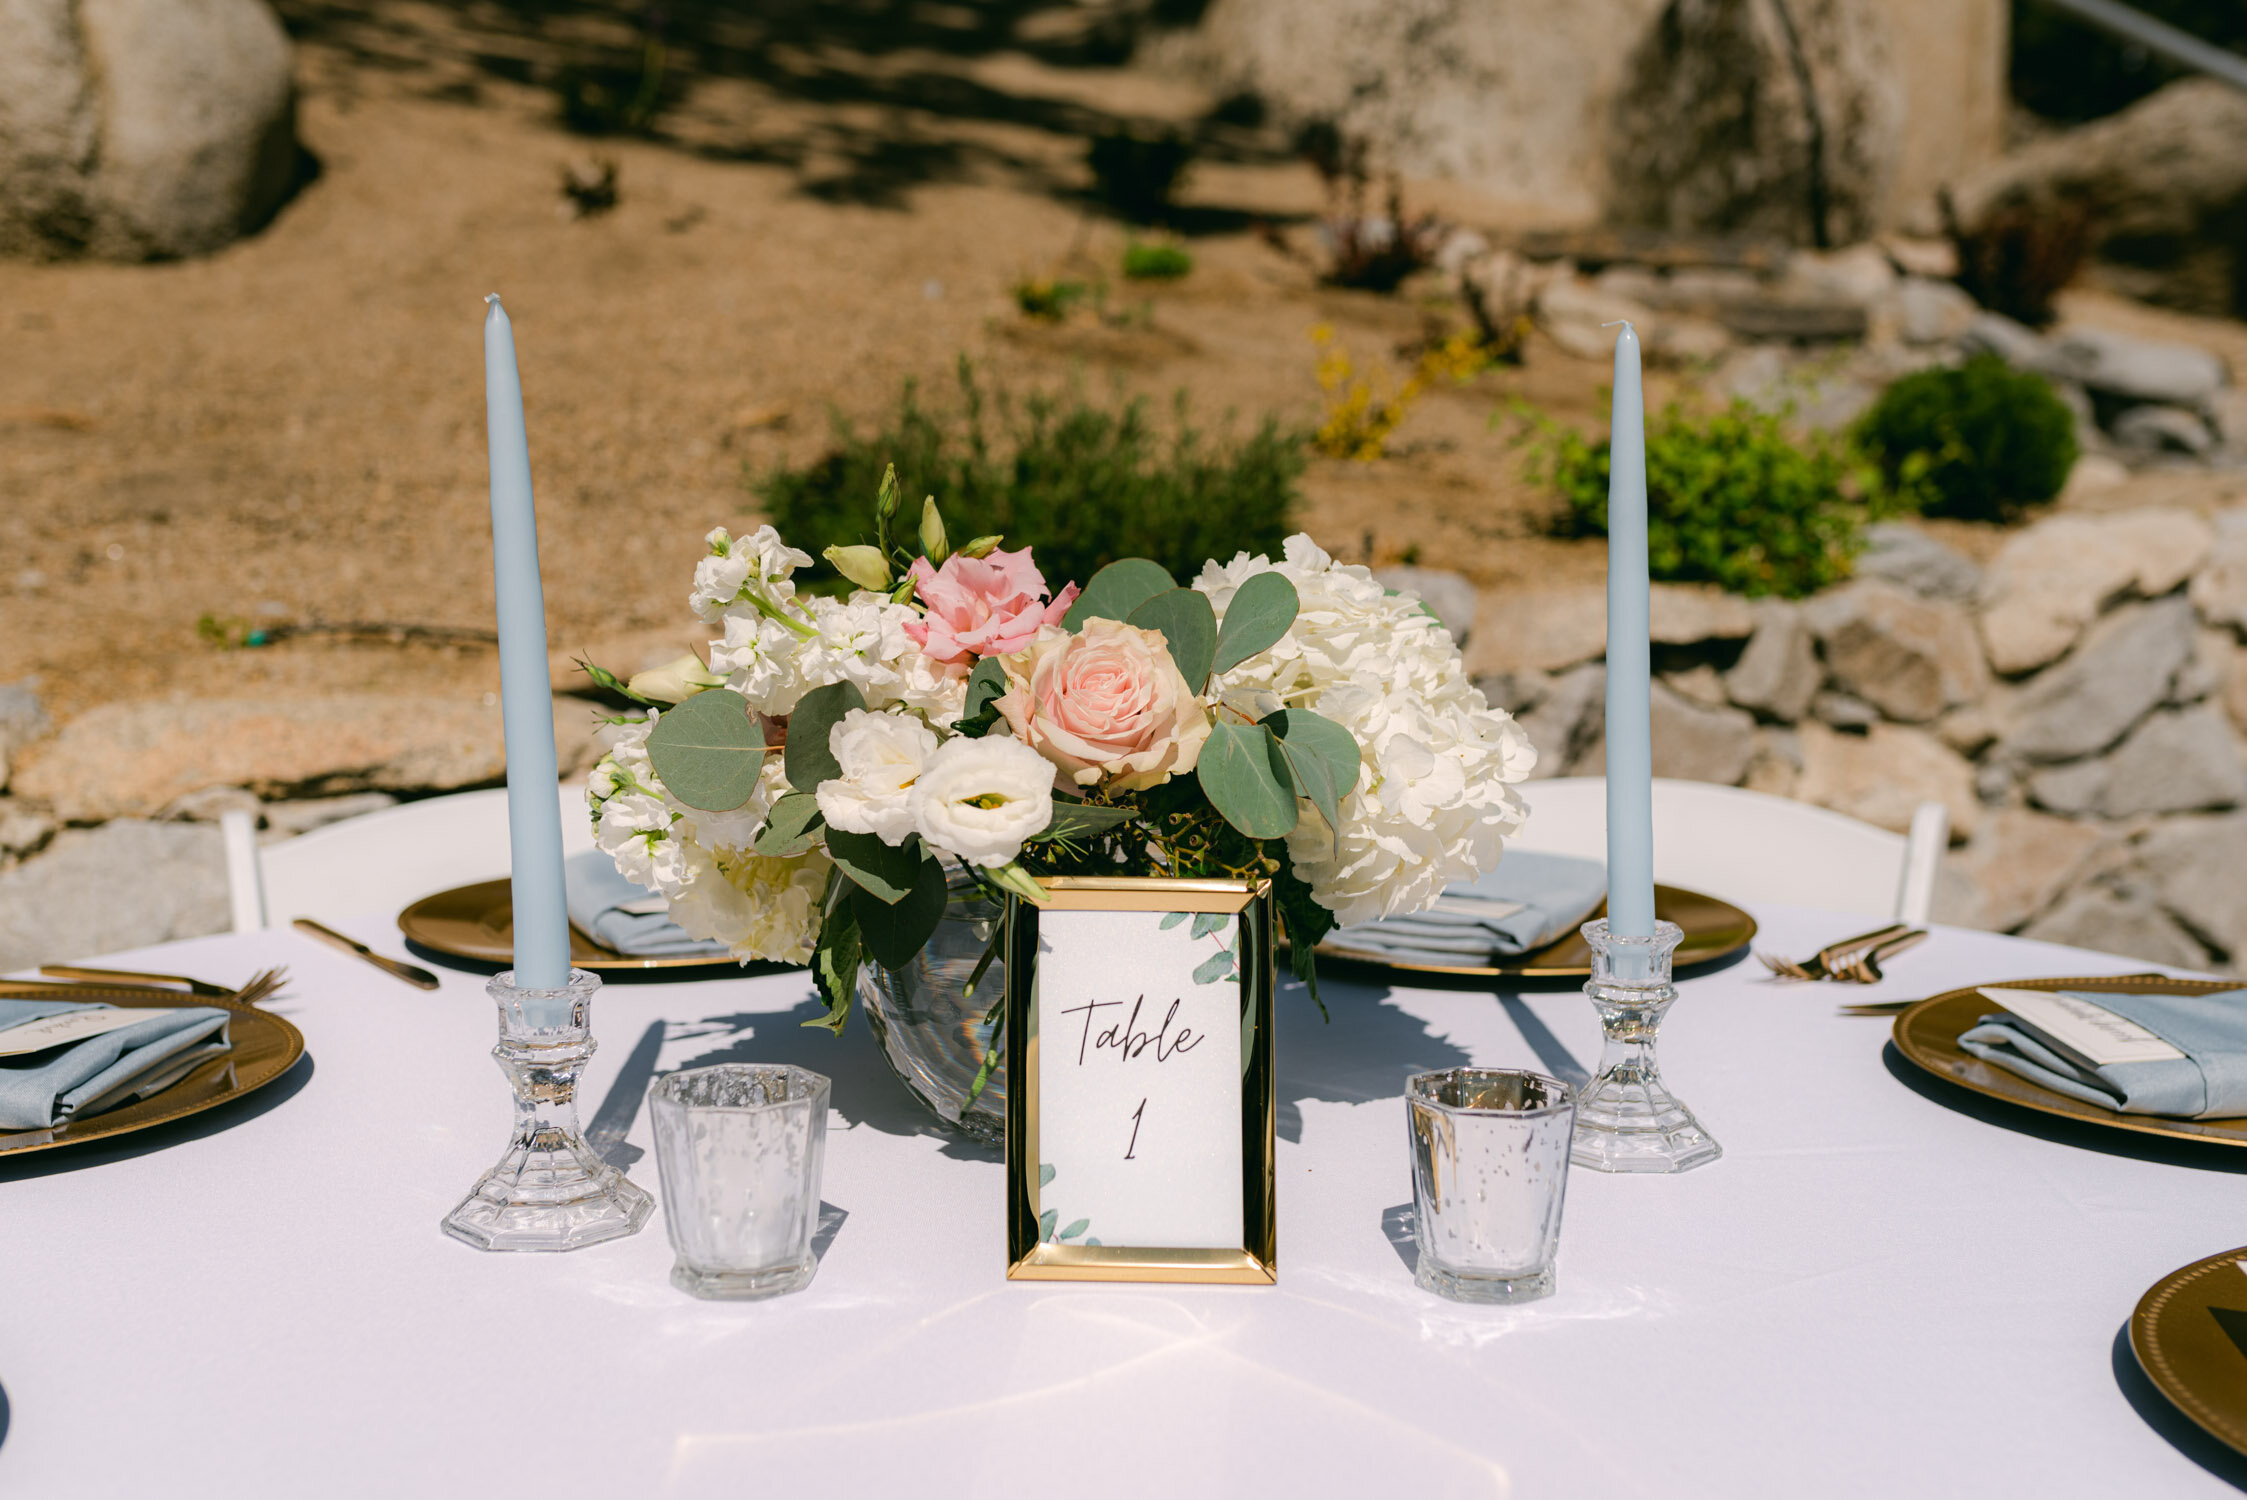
[982, 606]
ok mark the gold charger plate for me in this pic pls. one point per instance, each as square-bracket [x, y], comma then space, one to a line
[478, 922]
[1713, 929]
[2190, 1336]
[265, 1047]
[1928, 1033]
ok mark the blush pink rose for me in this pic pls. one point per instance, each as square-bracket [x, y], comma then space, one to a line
[1105, 705]
[982, 606]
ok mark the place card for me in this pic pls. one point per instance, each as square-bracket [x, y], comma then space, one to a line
[67, 1026]
[2081, 1030]
[1139, 1099]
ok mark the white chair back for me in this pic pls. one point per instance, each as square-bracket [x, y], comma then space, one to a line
[385, 861]
[1746, 847]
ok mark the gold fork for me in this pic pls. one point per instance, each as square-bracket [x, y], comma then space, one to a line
[1864, 967]
[1821, 965]
[256, 988]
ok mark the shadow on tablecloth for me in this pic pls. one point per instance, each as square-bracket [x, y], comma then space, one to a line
[2065, 1132]
[157, 1137]
[2174, 1426]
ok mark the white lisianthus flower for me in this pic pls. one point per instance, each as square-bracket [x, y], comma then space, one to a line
[882, 756]
[980, 799]
[675, 681]
[1434, 801]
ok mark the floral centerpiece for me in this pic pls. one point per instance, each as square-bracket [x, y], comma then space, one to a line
[801, 794]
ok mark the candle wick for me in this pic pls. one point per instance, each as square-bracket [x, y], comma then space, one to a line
[1618, 323]
[491, 299]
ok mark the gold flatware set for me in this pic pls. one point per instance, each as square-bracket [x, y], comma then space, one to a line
[65, 978]
[1853, 960]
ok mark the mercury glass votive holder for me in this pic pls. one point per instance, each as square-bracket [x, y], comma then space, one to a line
[740, 1148]
[1489, 1176]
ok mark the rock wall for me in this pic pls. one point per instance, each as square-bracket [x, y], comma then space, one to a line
[2077, 706]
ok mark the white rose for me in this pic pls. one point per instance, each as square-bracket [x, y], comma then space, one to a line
[980, 799]
[882, 756]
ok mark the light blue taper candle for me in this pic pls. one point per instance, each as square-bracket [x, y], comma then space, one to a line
[1630, 745]
[534, 816]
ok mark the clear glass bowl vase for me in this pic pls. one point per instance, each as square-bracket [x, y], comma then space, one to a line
[932, 1033]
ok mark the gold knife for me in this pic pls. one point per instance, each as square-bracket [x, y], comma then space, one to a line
[414, 975]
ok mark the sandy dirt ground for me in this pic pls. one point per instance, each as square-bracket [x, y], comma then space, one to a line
[292, 430]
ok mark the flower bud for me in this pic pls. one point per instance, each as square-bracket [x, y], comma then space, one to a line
[674, 682]
[887, 501]
[982, 546]
[864, 566]
[932, 533]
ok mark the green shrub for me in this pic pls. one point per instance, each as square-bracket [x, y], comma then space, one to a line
[1156, 260]
[1981, 441]
[1048, 300]
[1731, 499]
[1084, 484]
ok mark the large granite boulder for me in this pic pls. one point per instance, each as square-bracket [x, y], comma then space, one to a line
[1768, 117]
[141, 129]
[2164, 183]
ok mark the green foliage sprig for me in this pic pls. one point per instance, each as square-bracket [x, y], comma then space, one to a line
[1088, 484]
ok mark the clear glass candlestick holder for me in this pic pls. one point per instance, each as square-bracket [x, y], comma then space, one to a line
[550, 1191]
[742, 1148]
[1626, 1120]
[1489, 1177]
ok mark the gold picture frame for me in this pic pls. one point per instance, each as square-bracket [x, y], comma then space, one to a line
[1032, 1257]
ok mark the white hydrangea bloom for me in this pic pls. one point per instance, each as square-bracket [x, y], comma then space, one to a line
[881, 755]
[760, 907]
[1433, 801]
[862, 641]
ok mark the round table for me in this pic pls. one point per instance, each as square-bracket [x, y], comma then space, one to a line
[1874, 1293]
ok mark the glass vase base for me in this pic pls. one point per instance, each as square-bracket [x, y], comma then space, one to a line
[549, 1202]
[744, 1286]
[1624, 1128]
[1482, 1286]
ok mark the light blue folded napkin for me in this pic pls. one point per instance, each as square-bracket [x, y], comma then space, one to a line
[41, 1090]
[605, 907]
[2208, 1082]
[1528, 901]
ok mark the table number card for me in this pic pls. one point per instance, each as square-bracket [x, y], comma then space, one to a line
[1139, 1136]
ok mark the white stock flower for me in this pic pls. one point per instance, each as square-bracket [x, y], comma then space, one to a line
[759, 563]
[1433, 801]
[979, 799]
[882, 755]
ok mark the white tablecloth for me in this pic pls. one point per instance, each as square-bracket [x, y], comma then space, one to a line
[1872, 1294]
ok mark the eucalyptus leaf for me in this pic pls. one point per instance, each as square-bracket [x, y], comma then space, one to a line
[1045, 1173]
[709, 751]
[885, 871]
[1077, 820]
[1314, 779]
[1046, 1222]
[1117, 590]
[1171, 921]
[1076, 1227]
[1213, 968]
[893, 933]
[985, 686]
[1246, 780]
[1189, 627]
[1304, 732]
[809, 760]
[1263, 608]
[791, 827]
[1207, 922]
